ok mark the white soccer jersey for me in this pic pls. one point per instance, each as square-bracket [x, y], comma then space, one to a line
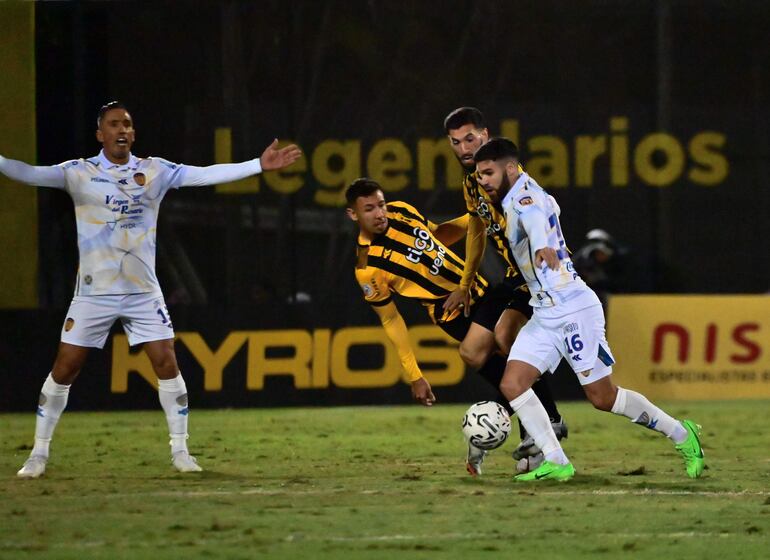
[532, 217]
[116, 207]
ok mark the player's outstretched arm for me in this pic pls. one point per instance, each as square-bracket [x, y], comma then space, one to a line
[273, 158]
[41, 176]
[452, 231]
[475, 243]
[398, 334]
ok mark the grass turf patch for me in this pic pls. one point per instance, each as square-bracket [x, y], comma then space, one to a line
[373, 482]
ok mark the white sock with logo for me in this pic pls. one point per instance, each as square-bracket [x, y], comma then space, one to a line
[173, 398]
[53, 401]
[535, 420]
[640, 410]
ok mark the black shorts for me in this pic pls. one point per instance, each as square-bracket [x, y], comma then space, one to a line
[505, 295]
[486, 312]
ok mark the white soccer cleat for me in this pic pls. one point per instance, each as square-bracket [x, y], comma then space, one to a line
[34, 467]
[474, 460]
[528, 464]
[184, 462]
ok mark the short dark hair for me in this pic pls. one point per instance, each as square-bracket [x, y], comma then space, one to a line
[364, 186]
[462, 116]
[495, 149]
[109, 107]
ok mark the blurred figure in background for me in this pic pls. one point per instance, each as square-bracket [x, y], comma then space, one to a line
[600, 262]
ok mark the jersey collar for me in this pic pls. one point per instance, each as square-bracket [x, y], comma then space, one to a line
[104, 163]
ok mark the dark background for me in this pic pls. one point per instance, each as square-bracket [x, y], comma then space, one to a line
[310, 71]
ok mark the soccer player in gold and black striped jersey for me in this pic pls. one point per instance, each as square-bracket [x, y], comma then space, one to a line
[467, 132]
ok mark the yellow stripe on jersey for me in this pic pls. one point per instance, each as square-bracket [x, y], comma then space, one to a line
[407, 259]
[478, 203]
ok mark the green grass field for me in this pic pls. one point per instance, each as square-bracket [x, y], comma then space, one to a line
[381, 482]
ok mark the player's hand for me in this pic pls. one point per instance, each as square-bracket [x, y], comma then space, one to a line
[550, 257]
[460, 298]
[273, 158]
[422, 392]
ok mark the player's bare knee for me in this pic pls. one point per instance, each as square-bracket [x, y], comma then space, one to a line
[165, 366]
[512, 387]
[602, 400]
[472, 357]
[66, 369]
[64, 374]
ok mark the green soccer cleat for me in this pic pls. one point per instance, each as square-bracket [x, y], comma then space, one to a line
[691, 450]
[549, 471]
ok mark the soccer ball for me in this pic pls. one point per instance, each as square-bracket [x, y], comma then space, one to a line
[486, 425]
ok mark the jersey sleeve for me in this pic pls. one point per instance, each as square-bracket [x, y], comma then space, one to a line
[172, 174]
[533, 216]
[475, 244]
[36, 175]
[374, 285]
[398, 334]
[193, 176]
[470, 204]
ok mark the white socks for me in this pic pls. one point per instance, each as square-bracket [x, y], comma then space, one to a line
[641, 411]
[535, 420]
[53, 400]
[173, 398]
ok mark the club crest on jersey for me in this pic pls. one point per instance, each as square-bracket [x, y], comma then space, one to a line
[526, 200]
[140, 179]
[368, 290]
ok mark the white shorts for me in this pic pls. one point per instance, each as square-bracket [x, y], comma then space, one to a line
[577, 337]
[144, 316]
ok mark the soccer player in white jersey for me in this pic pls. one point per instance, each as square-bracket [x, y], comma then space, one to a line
[117, 197]
[568, 321]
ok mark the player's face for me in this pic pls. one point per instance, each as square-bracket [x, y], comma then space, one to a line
[371, 213]
[465, 141]
[493, 178]
[116, 133]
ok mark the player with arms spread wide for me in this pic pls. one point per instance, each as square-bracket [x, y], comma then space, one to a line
[568, 321]
[117, 197]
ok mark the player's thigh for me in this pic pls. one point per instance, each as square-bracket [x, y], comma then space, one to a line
[89, 319]
[478, 345]
[583, 344]
[508, 326]
[145, 318]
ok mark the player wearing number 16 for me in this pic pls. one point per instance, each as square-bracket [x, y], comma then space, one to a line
[567, 322]
[117, 197]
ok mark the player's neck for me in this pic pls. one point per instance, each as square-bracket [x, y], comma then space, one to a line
[365, 235]
[511, 183]
[117, 160]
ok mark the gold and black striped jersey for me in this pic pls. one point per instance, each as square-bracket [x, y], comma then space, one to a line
[407, 259]
[478, 203]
